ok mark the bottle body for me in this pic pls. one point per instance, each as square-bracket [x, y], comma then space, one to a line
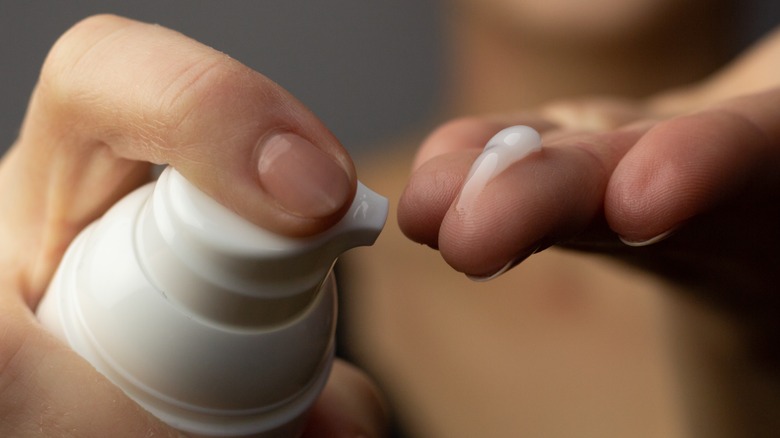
[201, 375]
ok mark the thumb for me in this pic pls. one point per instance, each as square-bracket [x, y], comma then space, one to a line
[115, 94]
[113, 90]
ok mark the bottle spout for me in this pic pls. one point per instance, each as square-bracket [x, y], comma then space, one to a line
[221, 266]
[361, 225]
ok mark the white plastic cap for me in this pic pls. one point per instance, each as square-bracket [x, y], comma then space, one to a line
[223, 268]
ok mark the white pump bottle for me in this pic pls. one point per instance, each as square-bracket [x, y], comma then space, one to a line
[216, 326]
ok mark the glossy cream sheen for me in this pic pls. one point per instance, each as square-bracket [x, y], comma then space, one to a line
[507, 147]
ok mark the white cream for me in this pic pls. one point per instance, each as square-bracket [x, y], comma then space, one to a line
[504, 149]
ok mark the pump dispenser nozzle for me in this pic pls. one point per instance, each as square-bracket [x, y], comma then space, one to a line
[216, 326]
[222, 267]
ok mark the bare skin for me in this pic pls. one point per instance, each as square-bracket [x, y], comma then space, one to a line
[666, 339]
[114, 96]
[607, 341]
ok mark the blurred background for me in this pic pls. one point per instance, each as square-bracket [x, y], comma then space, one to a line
[368, 69]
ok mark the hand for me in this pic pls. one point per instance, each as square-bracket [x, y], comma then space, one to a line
[115, 95]
[685, 185]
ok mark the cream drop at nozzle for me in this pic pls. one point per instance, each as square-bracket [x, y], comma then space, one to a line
[504, 149]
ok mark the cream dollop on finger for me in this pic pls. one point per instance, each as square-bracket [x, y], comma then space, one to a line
[504, 149]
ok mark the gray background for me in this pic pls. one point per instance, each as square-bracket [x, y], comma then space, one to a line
[367, 68]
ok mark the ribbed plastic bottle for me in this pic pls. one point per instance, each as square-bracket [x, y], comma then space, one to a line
[214, 325]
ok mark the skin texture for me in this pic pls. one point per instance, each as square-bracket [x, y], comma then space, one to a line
[115, 95]
[668, 339]
[638, 179]
[610, 340]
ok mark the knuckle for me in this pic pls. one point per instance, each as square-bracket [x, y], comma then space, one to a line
[66, 78]
[71, 49]
[154, 79]
[148, 92]
[204, 88]
[194, 83]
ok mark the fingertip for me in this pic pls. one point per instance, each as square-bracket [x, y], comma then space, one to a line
[545, 197]
[429, 194]
[442, 165]
[350, 406]
[679, 169]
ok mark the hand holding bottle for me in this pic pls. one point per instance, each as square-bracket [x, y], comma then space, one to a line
[115, 95]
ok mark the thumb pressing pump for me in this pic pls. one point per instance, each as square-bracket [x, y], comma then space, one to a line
[214, 325]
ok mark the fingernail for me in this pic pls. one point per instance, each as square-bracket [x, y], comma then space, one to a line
[511, 264]
[302, 178]
[505, 148]
[500, 272]
[649, 241]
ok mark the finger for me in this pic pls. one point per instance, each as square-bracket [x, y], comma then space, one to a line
[228, 129]
[546, 197]
[432, 189]
[46, 389]
[689, 165]
[114, 93]
[350, 406]
[114, 89]
[593, 114]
